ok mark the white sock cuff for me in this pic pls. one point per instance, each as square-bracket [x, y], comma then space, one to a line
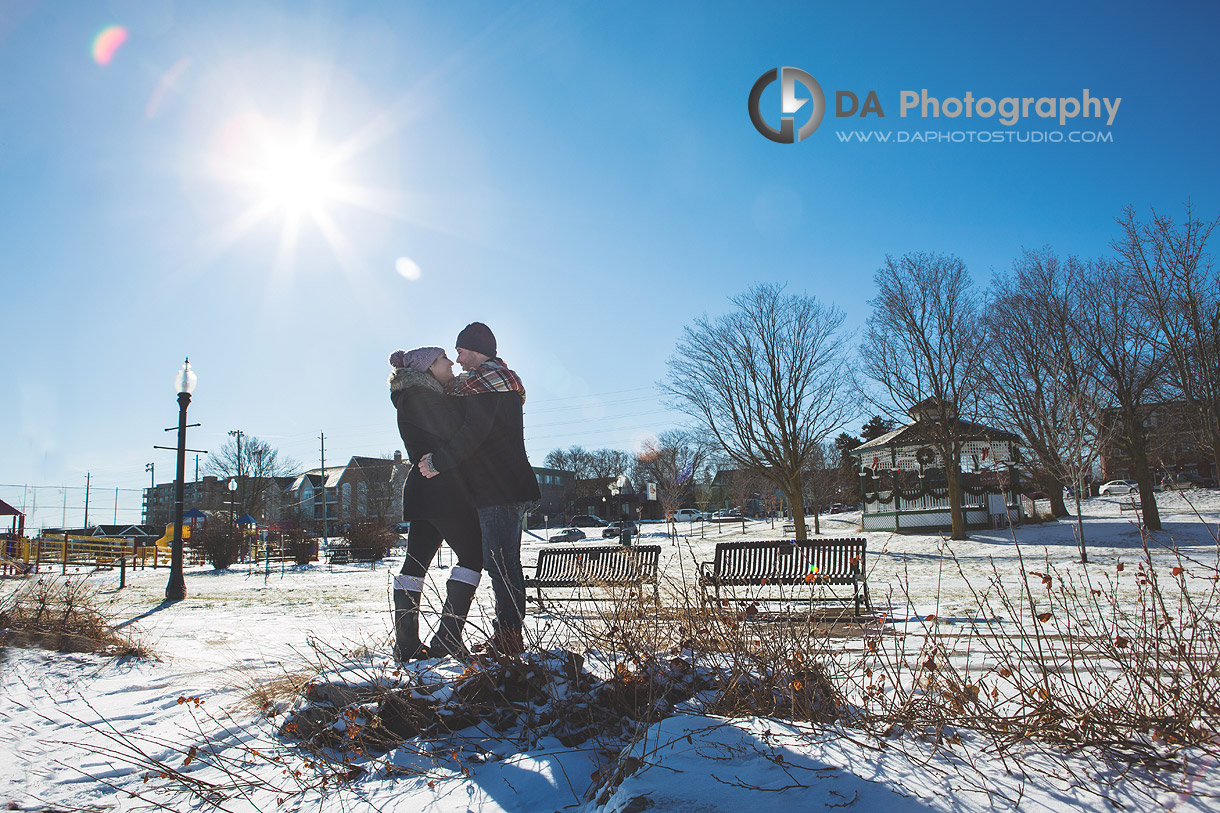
[412, 584]
[465, 575]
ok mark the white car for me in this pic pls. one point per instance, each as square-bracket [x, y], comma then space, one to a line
[687, 515]
[567, 535]
[1118, 488]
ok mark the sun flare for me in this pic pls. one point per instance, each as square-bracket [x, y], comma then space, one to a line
[285, 175]
[296, 178]
[278, 168]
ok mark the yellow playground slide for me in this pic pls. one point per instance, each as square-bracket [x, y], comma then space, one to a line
[166, 541]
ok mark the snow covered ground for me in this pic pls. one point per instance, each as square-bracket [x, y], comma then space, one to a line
[67, 722]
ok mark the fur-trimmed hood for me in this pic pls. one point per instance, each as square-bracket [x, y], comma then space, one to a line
[404, 378]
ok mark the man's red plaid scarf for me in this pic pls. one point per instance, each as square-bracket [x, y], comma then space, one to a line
[490, 376]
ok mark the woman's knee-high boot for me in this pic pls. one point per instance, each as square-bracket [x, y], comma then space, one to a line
[460, 595]
[407, 594]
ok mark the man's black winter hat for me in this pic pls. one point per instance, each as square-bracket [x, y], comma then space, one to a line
[478, 337]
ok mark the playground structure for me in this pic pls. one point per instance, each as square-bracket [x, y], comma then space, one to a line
[166, 543]
[21, 556]
[25, 556]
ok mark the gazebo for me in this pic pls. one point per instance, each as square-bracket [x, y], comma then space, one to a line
[18, 528]
[15, 533]
[903, 484]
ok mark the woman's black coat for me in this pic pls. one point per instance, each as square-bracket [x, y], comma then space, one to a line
[426, 420]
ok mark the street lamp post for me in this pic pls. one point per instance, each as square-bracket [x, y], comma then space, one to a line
[184, 382]
[236, 482]
[233, 505]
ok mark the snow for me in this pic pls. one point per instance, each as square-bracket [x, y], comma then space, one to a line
[69, 722]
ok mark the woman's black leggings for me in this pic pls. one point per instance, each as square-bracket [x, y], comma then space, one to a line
[425, 537]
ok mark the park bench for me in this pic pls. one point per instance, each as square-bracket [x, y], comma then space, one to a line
[780, 563]
[587, 566]
[341, 553]
[789, 527]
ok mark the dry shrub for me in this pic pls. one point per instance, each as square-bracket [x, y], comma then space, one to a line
[1125, 668]
[271, 694]
[298, 544]
[220, 542]
[370, 540]
[756, 658]
[63, 614]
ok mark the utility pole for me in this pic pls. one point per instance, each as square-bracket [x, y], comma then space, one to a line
[86, 523]
[196, 468]
[325, 540]
[63, 522]
[116, 505]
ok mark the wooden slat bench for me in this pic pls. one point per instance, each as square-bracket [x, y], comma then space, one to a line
[783, 562]
[595, 566]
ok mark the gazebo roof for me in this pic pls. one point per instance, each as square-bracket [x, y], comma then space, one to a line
[923, 432]
[7, 510]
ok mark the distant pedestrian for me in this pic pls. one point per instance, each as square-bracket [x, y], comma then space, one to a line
[438, 509]
[489, 454]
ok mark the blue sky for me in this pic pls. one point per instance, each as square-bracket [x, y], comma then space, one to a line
[583, 177]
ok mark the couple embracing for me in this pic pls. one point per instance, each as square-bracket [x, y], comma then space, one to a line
[469, 486]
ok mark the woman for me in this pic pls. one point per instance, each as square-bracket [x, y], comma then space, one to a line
[438, 508]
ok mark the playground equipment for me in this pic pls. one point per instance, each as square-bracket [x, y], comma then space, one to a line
[166, 542]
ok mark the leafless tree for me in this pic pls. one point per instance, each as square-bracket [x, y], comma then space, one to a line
[676, 460]
[823, 478]
[255, 470]
[592, 468]
[1180, 291]
[1125, 363]
[1035, 377]
[923, 345]
[769, 380]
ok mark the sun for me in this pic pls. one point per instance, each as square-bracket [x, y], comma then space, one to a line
[296, 178]
[278, 167]
[283, 174]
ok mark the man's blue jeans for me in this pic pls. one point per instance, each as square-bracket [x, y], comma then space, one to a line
[501, 527]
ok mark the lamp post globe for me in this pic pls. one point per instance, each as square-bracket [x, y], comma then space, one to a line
[184, 383]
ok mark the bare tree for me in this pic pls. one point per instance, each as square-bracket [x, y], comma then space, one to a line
[1180, 291]
[1035, 378]
[674, 461]
[605, 463]
[823, 478]
[1126, 364]
[923, 346]
[769, 380]
[590, 466]
[255, 470]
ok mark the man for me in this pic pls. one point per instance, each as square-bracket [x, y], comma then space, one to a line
[489, 453]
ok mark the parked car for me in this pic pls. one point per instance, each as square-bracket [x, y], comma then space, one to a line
[400, 527]
[588, 521]
[1116, 488]
[687, 515]
[727, 515]
[837, 508]
[616, 529]
[567, 535]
